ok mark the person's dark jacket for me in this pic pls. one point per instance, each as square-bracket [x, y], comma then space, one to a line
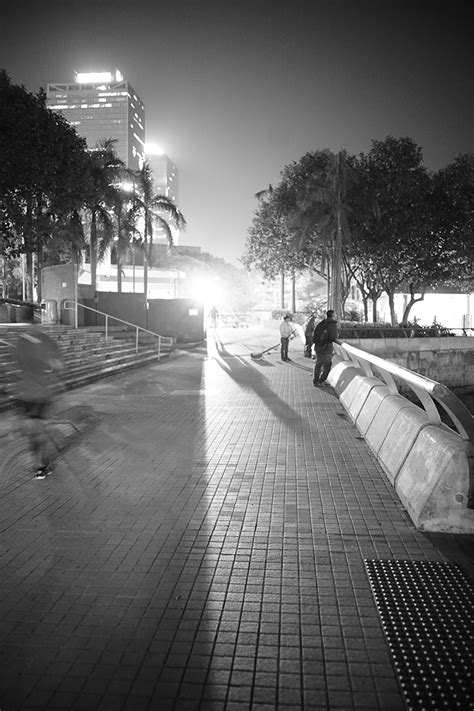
[331, 331]
[309, 328]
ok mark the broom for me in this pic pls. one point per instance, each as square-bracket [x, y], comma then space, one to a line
[259, 355]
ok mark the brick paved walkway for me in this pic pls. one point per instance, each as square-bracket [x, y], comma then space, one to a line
[202, 547]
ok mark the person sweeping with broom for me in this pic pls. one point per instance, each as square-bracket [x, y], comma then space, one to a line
[286, 331]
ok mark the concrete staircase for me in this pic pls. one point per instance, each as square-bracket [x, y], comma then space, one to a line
[86, 354]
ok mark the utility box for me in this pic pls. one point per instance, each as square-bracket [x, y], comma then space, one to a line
[49, 311]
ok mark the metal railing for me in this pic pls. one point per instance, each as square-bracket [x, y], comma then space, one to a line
[162, 340]
[429, 392]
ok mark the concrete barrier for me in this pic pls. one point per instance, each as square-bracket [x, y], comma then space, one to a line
[400, 438]
[426, 462]
[388, 409]
[368, 412]
[341, 374]
[433, 482]
[360, 400]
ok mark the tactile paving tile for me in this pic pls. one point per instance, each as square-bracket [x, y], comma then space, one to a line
[427, 614]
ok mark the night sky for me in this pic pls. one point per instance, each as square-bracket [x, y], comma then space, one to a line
[234, 91]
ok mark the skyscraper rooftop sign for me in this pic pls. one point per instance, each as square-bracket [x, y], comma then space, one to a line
[98, 77]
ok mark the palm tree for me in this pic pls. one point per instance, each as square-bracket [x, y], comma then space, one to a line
[125, 207]
[154, 210]
[333, 227]
[104, 185]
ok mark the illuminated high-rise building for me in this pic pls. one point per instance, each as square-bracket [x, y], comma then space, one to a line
[165, 173]
[165, 182]
[100, 106]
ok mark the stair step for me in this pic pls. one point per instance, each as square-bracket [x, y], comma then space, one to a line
[87, 355]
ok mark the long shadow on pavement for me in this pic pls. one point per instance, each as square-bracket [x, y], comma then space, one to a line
[110, 595]
[248, 378]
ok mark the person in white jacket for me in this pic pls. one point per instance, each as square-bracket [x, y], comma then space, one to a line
[286, 330]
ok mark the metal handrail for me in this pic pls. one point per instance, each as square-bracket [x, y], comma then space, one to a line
[428, 391]
[167, 340]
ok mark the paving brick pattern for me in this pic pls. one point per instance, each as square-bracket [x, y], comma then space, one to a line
[202, 547]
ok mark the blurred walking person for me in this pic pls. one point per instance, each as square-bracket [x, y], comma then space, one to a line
[213, 314]
[39, 364]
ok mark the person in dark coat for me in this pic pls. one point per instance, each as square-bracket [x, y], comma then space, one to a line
[308, 333]
[324, 336]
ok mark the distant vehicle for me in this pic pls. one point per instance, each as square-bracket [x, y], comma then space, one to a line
[235, 320]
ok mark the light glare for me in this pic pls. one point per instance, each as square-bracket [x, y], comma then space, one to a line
[153, 149]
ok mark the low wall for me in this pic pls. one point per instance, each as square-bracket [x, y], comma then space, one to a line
[182, 319]
[427, 464]
[447, 360]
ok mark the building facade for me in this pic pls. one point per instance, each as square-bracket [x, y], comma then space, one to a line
[165, 175]
[100, 106]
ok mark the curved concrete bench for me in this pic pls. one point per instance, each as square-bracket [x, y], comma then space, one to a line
[427, 463]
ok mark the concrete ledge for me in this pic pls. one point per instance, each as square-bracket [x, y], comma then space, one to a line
[433, 482]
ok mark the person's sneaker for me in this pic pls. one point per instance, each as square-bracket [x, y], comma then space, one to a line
[316, 384]
[43, 472]
[324, 384]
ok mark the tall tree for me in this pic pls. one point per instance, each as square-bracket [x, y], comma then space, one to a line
[453, 223]
[315, 196]
[270, 245]
[392, 238]
[304, 216]
[125, 207]
[334, 193]
[152, 210]
[42, 165]
[105, 191]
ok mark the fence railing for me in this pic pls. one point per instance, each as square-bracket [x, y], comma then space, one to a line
[165, 341]
[427, 391]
